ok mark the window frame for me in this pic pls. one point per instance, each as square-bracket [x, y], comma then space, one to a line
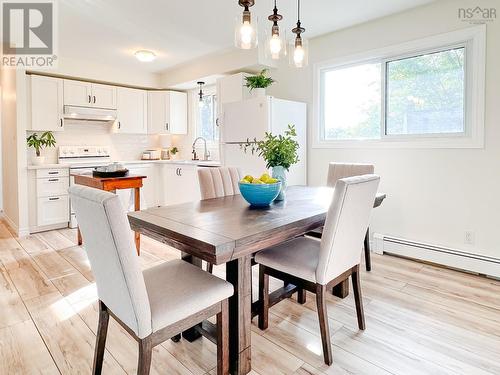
[207, 91]
[473, 39]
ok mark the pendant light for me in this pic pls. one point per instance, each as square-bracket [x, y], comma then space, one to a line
[200, 93]
[245, 31]
[275, 41]
[299, 45]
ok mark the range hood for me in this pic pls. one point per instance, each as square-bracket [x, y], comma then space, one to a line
[89, 114]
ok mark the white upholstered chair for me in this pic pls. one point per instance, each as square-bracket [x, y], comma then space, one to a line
[318, 265]
[336, 171]
[153, 305]
[217, 183]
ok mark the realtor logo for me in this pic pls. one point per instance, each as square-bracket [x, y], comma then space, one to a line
[28, 33]
[477, 15]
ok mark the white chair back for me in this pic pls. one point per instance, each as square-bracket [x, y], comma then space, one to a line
[218, 182]
[345, 226]
[336, 171]
[110, 248]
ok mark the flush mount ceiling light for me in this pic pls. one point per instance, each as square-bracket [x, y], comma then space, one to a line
[245, 30]
[144, 56]
[299, 45]
[276, 42]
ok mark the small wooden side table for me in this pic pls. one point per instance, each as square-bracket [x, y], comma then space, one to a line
[112, 184]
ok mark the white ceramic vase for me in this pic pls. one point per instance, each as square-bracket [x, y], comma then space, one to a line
[259, 93]
[38, 160]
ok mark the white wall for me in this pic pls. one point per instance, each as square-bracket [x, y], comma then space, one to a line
[434, 195]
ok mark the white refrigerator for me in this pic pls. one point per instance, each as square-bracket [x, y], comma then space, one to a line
[253, 117]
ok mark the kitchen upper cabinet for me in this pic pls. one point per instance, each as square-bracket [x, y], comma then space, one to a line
[231, 89]
[131, 105]
[77, 93]
[167, 112]
[180, 184]
[104, 96]
[46, 103]
[86, 94]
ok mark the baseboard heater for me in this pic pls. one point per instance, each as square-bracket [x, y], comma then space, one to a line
[453, 258]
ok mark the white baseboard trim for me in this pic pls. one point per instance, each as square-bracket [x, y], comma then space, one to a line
[20, 232]
[449, 257]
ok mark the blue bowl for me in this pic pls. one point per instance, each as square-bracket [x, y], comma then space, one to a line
[260, 195]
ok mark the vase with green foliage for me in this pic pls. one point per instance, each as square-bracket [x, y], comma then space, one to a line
[280, 152]
[174, 153]
[257, 84]
[38, 143]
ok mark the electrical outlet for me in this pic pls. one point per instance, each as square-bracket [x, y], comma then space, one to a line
[469, 238]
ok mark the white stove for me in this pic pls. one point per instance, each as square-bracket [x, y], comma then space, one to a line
[82, 159]
[90, 156]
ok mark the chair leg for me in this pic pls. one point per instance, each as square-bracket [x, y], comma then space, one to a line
[210, 267]
[263, 298]
[356, 287]
[323, 323]
[368, 261]
[223, 339]
[176, 338]
[145, 353]
[301, 296]
[100, 343]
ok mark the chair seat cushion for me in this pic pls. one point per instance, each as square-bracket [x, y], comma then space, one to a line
[298, 257]
[177, 289]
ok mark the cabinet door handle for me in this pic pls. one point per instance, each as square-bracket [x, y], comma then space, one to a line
[90, 99]
[53, 173]
[166, 126]
[54, 199]
[119, 125]
[53, 179]
[217, 121]
[180, 171]
[61, 122]
[177, 171]
[94, 99]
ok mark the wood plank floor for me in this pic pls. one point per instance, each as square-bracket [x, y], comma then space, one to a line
[420, 319]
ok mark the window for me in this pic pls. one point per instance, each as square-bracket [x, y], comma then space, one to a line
[428, 92]
[425, 94]
[351, 106]
[206, 113]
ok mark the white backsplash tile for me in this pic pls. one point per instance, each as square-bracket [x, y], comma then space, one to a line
[122, 146]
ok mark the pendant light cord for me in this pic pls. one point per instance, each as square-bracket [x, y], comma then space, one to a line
[298, 10]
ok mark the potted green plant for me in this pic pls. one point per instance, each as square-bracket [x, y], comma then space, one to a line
[280, 152]
[258, 83]
[174, 151]
[38, 142]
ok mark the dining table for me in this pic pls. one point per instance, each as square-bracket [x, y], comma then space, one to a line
[229, 231]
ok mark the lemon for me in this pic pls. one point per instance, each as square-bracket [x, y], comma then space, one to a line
[257, 181]
[243, 181]
[248, 178]
[272, 180]
[265, 177]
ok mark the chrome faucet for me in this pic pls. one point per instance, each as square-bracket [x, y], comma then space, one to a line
[206, 153]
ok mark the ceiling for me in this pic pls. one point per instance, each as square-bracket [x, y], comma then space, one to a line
[110, 31]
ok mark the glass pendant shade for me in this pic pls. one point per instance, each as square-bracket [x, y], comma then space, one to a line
[245, 31]
[298, 52]
[276, 46]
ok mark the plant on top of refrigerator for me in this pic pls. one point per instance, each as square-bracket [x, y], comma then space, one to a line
[259, 81]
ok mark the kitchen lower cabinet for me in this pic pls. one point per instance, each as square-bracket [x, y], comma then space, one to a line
[48, 200]
[180, 184]
[149, 190]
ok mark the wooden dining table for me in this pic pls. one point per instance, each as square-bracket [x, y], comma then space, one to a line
[228, 231]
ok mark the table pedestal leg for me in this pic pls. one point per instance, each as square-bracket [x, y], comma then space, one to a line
[137, 207]
[238, 273]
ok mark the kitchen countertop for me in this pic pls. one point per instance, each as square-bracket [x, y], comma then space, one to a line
[199, 163]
